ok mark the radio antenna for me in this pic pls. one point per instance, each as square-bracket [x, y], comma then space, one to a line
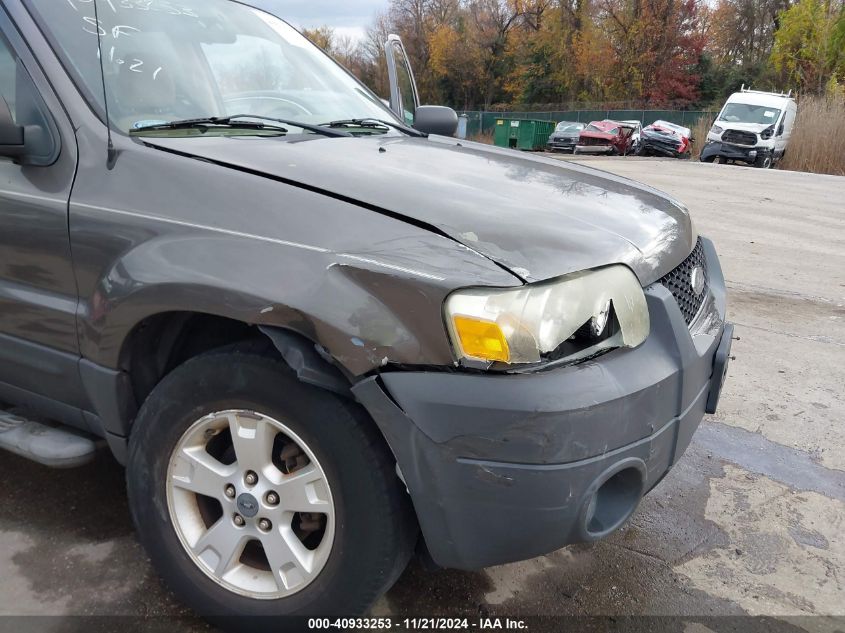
[111, 153]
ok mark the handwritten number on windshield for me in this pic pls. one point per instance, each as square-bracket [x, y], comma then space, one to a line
[91, 26]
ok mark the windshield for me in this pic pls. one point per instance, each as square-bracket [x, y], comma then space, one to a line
[570, 127]
[182, 59]
[742, 113]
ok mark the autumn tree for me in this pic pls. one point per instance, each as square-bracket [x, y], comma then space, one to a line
[664, 53]
[809, 46]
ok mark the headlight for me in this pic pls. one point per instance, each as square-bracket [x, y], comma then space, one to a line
[768, 133]
[716, 130]
[570, 318]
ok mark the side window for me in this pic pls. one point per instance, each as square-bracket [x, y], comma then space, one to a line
[7, 75]
[406, 89]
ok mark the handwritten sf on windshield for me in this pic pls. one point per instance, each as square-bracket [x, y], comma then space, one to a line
[92, 26]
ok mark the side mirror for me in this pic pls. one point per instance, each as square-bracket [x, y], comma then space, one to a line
[438, 120]
[11, 135]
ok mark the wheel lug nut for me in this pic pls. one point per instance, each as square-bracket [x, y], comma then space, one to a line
[251, 478]
[230, 491]
[272, 499]
[239, 520]
[264, 525]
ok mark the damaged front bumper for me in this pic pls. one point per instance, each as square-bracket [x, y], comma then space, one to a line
[660, 147]
[562, 144]
[595, 149]
[508, 467]
[726, 151]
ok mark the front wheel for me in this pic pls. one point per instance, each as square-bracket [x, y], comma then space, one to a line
[257, 496]
[763, 162]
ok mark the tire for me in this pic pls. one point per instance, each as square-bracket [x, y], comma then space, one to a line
[764, 162]
[368, 521]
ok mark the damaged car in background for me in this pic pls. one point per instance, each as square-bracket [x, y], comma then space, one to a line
[565, 136]
[662, 138]
[321, 340]
[614, 138]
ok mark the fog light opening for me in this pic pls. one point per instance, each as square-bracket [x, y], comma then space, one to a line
[614, 503]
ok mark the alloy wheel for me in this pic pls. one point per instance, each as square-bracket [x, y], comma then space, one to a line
[251, 504]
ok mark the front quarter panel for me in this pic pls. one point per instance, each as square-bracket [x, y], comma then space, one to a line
[162, 233]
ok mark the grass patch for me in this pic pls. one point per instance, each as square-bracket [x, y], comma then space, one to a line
[699, 132]
[482, 137]
[818, 140]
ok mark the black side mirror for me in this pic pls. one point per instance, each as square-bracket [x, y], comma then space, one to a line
[436, 120]
[11, 135]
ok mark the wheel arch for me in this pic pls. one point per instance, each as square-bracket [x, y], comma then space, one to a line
[159, 343]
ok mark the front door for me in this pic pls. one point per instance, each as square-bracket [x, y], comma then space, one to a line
[38, 298]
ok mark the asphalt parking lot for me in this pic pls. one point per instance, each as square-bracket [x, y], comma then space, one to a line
[751, 521]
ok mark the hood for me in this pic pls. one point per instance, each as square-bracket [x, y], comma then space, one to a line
[600, 135]
[538, 217]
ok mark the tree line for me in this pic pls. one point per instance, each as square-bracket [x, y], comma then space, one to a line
[567, 54]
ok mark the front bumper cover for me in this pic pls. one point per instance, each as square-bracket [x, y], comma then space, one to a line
[503, 468]
[566, 144]
[661, 146]
[716, 149]
[595, 149]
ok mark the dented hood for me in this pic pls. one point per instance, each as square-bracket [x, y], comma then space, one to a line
[605, 136]
[538, 217]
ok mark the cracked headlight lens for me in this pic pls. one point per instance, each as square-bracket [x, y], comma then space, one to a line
[570, 318]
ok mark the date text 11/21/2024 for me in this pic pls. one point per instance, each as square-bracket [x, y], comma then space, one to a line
[417, 624]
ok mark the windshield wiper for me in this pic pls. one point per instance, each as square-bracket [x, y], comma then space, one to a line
[185, 124]
[317, 129]
[375, 124]
[231, 122]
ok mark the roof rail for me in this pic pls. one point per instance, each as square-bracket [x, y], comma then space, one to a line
[788, 95]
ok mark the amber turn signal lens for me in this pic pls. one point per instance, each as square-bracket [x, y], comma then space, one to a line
[482, 339]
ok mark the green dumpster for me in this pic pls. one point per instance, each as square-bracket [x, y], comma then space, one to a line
[525, 134]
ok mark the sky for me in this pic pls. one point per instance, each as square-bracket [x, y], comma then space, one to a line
[347, 17]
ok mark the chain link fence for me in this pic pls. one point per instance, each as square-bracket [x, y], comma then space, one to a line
[479, 123]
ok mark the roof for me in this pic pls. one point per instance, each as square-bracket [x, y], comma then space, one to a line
[760, 99]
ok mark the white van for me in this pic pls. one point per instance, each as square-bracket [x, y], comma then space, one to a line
[753, 128]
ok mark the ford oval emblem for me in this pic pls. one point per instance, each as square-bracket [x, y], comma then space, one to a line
[698, 281]
[247, 505]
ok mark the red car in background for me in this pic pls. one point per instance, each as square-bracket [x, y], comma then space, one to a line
[607, 137]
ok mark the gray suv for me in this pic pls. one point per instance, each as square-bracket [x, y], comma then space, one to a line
[565, 137]
[321, 340]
